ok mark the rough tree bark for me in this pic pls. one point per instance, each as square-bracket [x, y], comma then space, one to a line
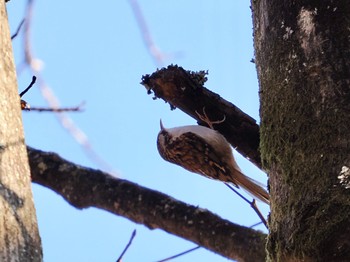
[19, 237]
[302, 57]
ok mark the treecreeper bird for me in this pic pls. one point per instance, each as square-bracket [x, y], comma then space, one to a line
[206, 152]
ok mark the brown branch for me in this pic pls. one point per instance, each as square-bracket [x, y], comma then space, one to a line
[185, 90]
[84, 187]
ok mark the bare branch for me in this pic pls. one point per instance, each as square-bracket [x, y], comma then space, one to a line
[152, 48]
[84, 187]
[25, 106]
[127, 246]
[34, 65]
[57, 110]
[29, 87]
[185, 90]
[251, 203]
[256, 224]
[181, 254]
[18, 29]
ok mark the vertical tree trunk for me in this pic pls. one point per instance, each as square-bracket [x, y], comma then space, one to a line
[19, 237]
[303, 62]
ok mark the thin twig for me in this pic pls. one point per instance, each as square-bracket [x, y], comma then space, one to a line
[24, 105]
[57, 110]
[251, 203]
[178, 255]
[66, 122]
[256, 224]
[29, 87]
[127, 246]
[18, 29]
[256, 209]
[155, 52]
[239, 194]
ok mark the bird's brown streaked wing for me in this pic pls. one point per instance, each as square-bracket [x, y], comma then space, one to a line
[187, 151]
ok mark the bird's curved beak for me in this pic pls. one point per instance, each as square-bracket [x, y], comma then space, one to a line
[161, 125]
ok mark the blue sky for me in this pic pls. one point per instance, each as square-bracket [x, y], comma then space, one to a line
[94, 52]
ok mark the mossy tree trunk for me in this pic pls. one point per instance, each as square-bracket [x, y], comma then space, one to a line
[303, 62]
[19, 237]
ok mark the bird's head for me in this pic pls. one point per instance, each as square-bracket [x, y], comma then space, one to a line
[163, 140]
[163, 135]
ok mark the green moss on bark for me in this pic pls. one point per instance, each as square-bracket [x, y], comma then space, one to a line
[301, 56]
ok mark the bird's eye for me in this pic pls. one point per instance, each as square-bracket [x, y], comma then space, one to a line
[166, 138]
[163, 138]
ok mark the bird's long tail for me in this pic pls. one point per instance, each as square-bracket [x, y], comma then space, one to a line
[251, 186]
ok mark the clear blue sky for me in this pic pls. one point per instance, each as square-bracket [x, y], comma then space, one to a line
[94, 52]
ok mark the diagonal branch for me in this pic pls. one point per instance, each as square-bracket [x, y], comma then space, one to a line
[152, 48]
[35, 67]
[83, 187]
[185, 90]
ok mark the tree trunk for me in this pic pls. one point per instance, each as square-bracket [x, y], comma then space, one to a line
[303, 62]
[19, 237]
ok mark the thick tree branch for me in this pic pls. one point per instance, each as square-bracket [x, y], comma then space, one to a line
[185, 90]
[83, 187]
